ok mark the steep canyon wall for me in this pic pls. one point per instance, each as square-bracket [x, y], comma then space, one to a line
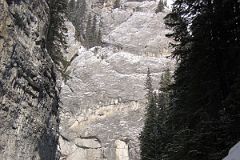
[28, 88]
[103, 102]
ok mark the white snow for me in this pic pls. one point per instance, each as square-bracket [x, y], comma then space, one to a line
[234, 153]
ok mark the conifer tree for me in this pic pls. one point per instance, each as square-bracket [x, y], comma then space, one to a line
[154, 136]
[71, 6]
[149, 134]
[71, 11]
[55, 38]
[148, 138]
[88, 32]
[165, 81]
[94, 33]
[148, 85]
[160, 6]
[201, 116]
[117, 4]
[99, 37]
[78, 4]
[165, 2]
[163, 103]
[76, 14]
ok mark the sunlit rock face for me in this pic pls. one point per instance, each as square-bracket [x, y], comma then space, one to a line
[103, 102]
[72, 44]
[28, 88]
[142, 34]
[81, 148]
[137, 29]
[121, 150]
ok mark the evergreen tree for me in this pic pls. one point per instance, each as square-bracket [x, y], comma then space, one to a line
[163, 102]
[71, 6]
[81, 9]
[149, 134]
[165, 82]
[76, 14]
[88, 33]
[55, 38]
[99, 37]
[155, 136]
[201, 119]
[78, 4]
[160, 6]
[71, 11]
[148, 85]
[165, 2]
[87, 30]
[94, 33]
[117, 4]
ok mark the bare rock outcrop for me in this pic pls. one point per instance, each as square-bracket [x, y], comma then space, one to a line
[28, 88]
[104, 99]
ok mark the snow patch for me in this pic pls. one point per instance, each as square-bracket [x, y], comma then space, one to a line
[234, 153]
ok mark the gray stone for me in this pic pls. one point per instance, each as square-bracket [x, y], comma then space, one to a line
[28, 106]
[105, 97]
[121, 150]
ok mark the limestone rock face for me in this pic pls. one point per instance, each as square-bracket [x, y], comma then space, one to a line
[121, 150]
[103, 102]
[28, 93]
[72, 44]
[143, 33]
[81, 148]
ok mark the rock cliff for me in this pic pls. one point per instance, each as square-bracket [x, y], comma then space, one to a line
[28, 88]
[103, 102]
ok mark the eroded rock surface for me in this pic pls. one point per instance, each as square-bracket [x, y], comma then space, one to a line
[104, 100]
[121, 150]
[28, 92]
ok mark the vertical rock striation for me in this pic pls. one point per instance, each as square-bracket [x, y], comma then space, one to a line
[28, 88]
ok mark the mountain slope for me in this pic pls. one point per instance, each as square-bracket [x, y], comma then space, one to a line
[103, 101]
